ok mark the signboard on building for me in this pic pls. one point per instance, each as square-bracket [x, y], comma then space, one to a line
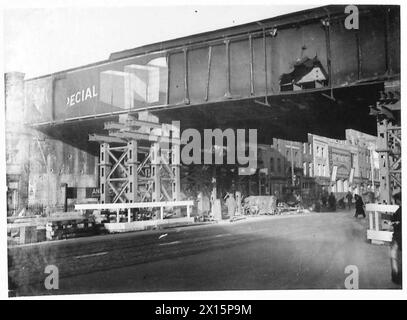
[107, 87]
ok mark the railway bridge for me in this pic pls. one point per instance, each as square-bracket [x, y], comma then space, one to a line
[300, 73]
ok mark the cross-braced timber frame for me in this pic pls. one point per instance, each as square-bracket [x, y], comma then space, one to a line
[389, 149]
[139, 161]
[389, 141]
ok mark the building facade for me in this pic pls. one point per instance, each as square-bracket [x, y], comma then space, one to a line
[318, 165]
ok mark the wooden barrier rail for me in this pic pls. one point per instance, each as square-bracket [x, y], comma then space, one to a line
[374, 233]
[131, 205]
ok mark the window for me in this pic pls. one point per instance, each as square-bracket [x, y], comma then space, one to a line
[304, 167]
[271, 164]
[317, 151]
[310, 170]
[309, 148]
[279, 165]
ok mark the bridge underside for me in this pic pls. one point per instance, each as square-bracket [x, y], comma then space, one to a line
[291, 116]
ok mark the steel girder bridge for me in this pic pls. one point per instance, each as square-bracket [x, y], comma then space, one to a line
[285, 76]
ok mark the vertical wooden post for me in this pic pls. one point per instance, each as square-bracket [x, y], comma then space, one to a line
[371, 222]
[104, 168]
[384, 170]
[128, 215]
[377, 220]
[155, 174]
[132, 165]
[175, 161]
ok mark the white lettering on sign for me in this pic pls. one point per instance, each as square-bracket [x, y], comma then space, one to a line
[81, 96]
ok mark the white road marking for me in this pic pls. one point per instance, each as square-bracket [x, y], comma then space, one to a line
[223, 235]
[92, 255]
[169, 243]
[163, 235]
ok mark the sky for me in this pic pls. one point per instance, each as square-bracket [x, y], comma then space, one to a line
[39, 41]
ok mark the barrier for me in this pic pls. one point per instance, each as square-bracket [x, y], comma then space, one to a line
[130, 205]
[375, 232]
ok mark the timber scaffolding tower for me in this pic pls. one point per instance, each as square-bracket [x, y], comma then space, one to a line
[139, 160]
[388, 113]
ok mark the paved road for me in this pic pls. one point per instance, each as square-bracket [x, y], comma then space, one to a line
[287, 252]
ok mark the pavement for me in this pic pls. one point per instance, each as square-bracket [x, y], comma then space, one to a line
[308, 251]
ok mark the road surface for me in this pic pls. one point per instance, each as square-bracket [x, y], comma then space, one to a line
[264, 253]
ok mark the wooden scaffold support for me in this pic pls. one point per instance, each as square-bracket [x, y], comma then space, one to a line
[139, 161]
[387, 111]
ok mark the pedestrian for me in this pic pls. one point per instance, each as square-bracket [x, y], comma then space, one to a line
[395, 248]
[231, 204]
[324, 198]
[349, 197]
[332, 202]
[359, 206]
[273, 205]
[298, 198]
[276, 194]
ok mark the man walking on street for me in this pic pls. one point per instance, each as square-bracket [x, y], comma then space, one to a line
[359, 206]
